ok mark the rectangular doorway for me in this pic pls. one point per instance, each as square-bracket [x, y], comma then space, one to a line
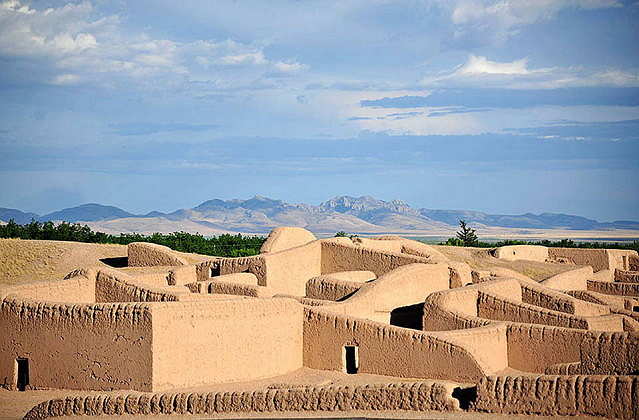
[22, 377]
[351, 359]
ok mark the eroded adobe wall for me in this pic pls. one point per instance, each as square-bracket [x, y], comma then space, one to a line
[522, 252]
[598, 259]
[611, 353]
[413, 396]
[493, 307]
[113, 286]
[614, 288]
[78, 289]
[330, 288]
[337, 256]
[143, 254]
[570, 280]
[533, 348]
[282, 238]
[550, 395]
[288, 271]
[94, 346]
[213, 342]
[382, 349]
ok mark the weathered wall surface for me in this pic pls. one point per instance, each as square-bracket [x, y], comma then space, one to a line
[383, 349]
[330, 288]
[598, 259]
[285, 238]
[404, 286]
[288, 271]
[570, 280]
[100, 347]
[614, 288]
[339, 257]
[609, 396]
[114, 286]
[522, 252]
[210, 342]
[610, 353]
[143, 254]
[80, 288]
[413, 396]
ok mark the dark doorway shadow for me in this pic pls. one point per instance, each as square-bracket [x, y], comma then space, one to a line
[116, 262]
[408, 316]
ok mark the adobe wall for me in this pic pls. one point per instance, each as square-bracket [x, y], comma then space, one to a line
[493, 307]
[598, 259]
[533, 348]
[282, 238]
[616, 288]
[90, 346]
[213, 342]
[610, 353]
[144, 254]
[383, 349]
[413, 396]
[522, 252]
[230, 288]
[570, 280]
[550, 395]
[625, 276]
[114, 286]
[80, 288]
[534, 294]
[404, 286]
[288, 271]
[330, 288]
[337, 256]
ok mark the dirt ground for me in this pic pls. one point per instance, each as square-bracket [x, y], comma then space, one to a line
[30, 260]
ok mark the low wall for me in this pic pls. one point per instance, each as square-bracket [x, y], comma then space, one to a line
[598, 259]
[570, 280]
[614, 288]
[608, 396]
[533, 294]
[195, 344]
[409, 396]
[143, 254]
[340, 257]
[330, 288]
[522, 252]
[610, 353]
[383, 349]
[79, 288]
[624, 276]
[90, 346]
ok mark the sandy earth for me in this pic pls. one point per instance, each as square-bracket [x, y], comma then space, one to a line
[30, 260]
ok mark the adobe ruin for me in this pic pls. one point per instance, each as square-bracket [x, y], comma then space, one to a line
[151, 337]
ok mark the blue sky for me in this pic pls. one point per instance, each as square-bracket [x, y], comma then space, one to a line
[500, 106]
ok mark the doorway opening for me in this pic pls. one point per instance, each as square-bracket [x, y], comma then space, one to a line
[22, 380]
[351, 359]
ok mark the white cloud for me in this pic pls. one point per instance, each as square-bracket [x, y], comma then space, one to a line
[481, 65]
[479, 71]
[81, 47]
[496, 20]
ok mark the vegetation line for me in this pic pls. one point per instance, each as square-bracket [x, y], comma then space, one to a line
[222, 246]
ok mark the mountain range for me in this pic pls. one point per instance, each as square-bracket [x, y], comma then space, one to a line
[344, 213]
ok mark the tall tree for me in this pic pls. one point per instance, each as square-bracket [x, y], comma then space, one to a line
[467, 234]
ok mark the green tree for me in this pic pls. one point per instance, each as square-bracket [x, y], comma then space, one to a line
[467, 234]
[341, 234]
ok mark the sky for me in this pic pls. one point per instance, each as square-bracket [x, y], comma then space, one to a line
[505, 106]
